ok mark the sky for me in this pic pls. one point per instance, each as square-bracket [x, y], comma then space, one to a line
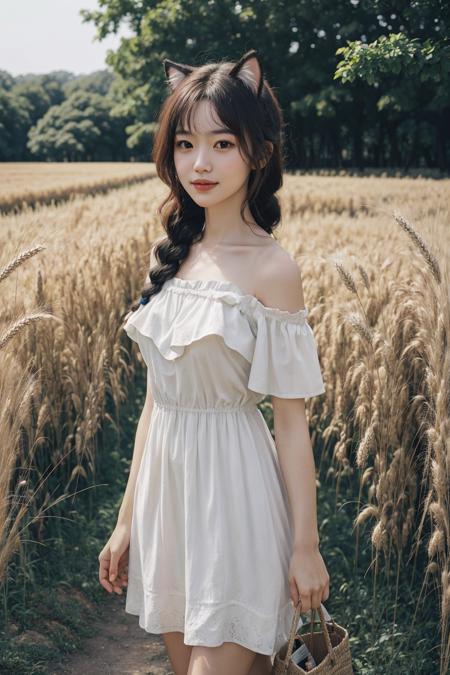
[38, 36]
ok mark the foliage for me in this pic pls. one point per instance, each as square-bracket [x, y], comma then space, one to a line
[330, 117]
[360, 83]
[80, 128]
[15, 120]
[58, 117]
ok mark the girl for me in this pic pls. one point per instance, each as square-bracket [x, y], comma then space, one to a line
[217, 534]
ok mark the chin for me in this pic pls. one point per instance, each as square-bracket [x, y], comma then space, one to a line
[206, 198]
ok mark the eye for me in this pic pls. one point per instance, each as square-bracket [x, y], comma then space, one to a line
[178, 144]
[229, 144]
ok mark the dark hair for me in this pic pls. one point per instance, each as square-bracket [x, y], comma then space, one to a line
[254, 117]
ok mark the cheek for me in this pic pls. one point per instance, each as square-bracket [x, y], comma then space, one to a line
[235, 165]
[180, 162]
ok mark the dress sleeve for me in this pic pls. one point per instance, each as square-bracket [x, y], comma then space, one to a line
[285, 362]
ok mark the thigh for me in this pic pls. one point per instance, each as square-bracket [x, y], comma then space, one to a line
[227, 658]
[262, 665]
[179, 653]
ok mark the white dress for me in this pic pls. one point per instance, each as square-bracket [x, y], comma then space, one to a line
[212, 528]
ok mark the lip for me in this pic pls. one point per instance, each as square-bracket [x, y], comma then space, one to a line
[204, 182]
[204, 187]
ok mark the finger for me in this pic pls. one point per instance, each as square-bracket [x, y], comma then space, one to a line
[306, 602]
[103, 575]
[293, 591]
[316, 598]
[113, 566]
[123, 572]
[106, 585]
[326, 592]
[121, 579]
[117, 586]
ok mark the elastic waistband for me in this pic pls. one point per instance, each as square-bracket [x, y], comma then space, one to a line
[246, 407]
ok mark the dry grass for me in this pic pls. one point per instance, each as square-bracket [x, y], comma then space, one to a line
[33, 184]
[381, 313]
[375, 267]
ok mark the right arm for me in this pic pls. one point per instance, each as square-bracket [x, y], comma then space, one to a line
[113, 570]
[113, 559]
[126, 509]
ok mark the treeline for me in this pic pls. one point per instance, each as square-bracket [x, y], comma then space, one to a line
[362, 84]
[59, 117]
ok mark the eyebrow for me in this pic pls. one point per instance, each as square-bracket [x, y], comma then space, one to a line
[214, 131]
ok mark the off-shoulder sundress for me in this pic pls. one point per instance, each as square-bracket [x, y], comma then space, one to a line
[212, 527]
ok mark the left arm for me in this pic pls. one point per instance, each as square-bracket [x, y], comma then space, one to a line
[308, 576]
[296, 458]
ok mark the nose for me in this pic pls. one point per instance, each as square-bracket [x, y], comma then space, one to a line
[202, 162]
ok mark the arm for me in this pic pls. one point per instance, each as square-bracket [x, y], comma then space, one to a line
[113, 558]
[309, 580]
[126, 508]
[296, 458]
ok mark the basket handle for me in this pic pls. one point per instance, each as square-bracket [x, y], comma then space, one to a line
[293, 632]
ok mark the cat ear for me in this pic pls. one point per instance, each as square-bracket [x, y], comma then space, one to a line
[249, 70]
[176, 72]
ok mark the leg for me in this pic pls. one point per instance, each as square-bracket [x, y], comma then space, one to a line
[227, 658]
[262, 665]
[179, 653]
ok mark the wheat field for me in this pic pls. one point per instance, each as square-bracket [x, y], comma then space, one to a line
[374, 257]
[32, 184]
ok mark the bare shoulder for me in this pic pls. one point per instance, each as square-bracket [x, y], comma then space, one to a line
[279, 280]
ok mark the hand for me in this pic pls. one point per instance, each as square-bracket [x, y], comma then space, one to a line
[308, 578]
[113, 570]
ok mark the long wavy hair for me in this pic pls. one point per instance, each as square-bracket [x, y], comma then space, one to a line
[249, 108]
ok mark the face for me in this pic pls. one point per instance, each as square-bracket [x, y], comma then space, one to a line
[209, 153]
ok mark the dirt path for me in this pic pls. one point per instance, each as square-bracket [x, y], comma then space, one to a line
[117, 645]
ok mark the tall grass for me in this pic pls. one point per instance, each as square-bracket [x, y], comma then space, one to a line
[377, 288]
[384, 343]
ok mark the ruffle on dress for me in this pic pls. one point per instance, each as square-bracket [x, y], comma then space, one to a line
[279, 345]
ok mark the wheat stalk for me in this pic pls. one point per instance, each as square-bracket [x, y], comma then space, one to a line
[21, 258]
[18, 325]
[346, 277]
[421, 245]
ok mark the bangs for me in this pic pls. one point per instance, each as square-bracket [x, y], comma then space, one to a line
[221, 116]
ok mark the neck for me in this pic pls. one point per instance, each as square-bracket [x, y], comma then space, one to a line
[224, 223]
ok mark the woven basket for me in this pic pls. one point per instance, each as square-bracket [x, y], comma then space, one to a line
[330, 648]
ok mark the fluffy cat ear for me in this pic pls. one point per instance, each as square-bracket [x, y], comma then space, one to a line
[249, 70]
[176, 72]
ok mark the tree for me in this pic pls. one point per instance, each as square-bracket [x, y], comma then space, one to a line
[98, 82]
[14, 123]
[412, 75]
[81, 128]
[328, 120]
